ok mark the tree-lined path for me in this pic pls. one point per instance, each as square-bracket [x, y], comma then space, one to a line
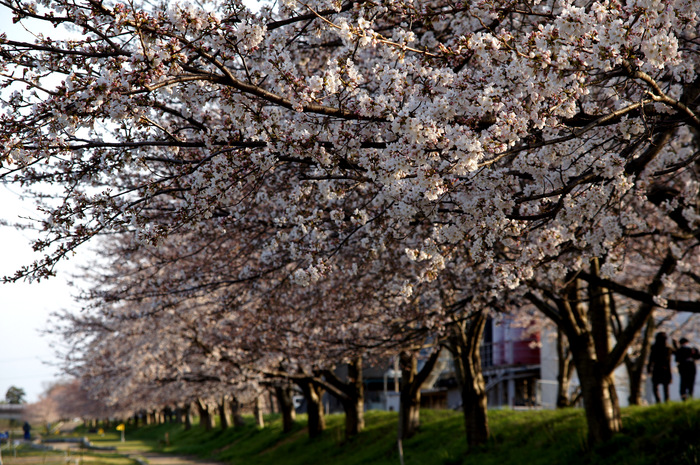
[74, 453]
[284, 196]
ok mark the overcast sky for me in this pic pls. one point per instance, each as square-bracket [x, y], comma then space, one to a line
[25, 308]
[25, 354]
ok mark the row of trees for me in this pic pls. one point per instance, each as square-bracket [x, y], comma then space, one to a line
[64, 400]
[276, 192]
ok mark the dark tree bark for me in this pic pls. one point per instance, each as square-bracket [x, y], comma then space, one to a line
[409, 398]
[236, 408]
[167, 415]
[354, 404]
[224, 413]
[271, 400]
[588, 331]
[258, 411]
[598, 391]
[566, 370]
[412, 380]
[286, 407]
[313, 394]
[351, 395]
[588, 336]
[464, 344]
[206, 419]
[187, 416]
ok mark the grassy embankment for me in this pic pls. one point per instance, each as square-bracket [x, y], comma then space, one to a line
[667, 434]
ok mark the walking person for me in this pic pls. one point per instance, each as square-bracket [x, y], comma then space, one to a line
[660, 366]
[685, 357]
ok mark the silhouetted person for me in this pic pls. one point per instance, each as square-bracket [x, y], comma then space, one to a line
[685, 357]
[26, 428]
[660, 366]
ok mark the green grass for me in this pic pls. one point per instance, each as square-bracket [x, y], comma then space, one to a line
[666, 434]
[26, 455]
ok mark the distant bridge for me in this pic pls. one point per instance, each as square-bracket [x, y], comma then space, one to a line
[11, 411]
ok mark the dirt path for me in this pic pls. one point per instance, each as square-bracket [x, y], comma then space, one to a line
[153, 458]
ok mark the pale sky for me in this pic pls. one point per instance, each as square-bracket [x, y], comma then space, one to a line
[25, 354]
[24, 307]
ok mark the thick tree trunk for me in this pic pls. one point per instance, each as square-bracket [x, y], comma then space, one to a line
[409, 398]
[350, 393]
[589, 336]
[409, 407]
[271, 400]
[474, 403]
[206, 419]
[258, 411]
[591, 355]
[591, 351]
[592, 361]
[599, 397]
[211, 420]
[286, 407]
[464, 345]
[354, 401]
[187, 416]
[354, 417]
[236, 407]
[224, 413]
[314, 408]
[566, 368]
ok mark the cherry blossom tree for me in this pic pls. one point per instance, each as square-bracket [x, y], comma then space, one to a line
[589, 315]
[537, 115]
[519, 136]
[302, 333]
[65, 400]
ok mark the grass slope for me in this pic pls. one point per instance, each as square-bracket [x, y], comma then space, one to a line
[666, 434]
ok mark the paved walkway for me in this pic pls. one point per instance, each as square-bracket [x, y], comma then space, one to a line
[142, 457]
